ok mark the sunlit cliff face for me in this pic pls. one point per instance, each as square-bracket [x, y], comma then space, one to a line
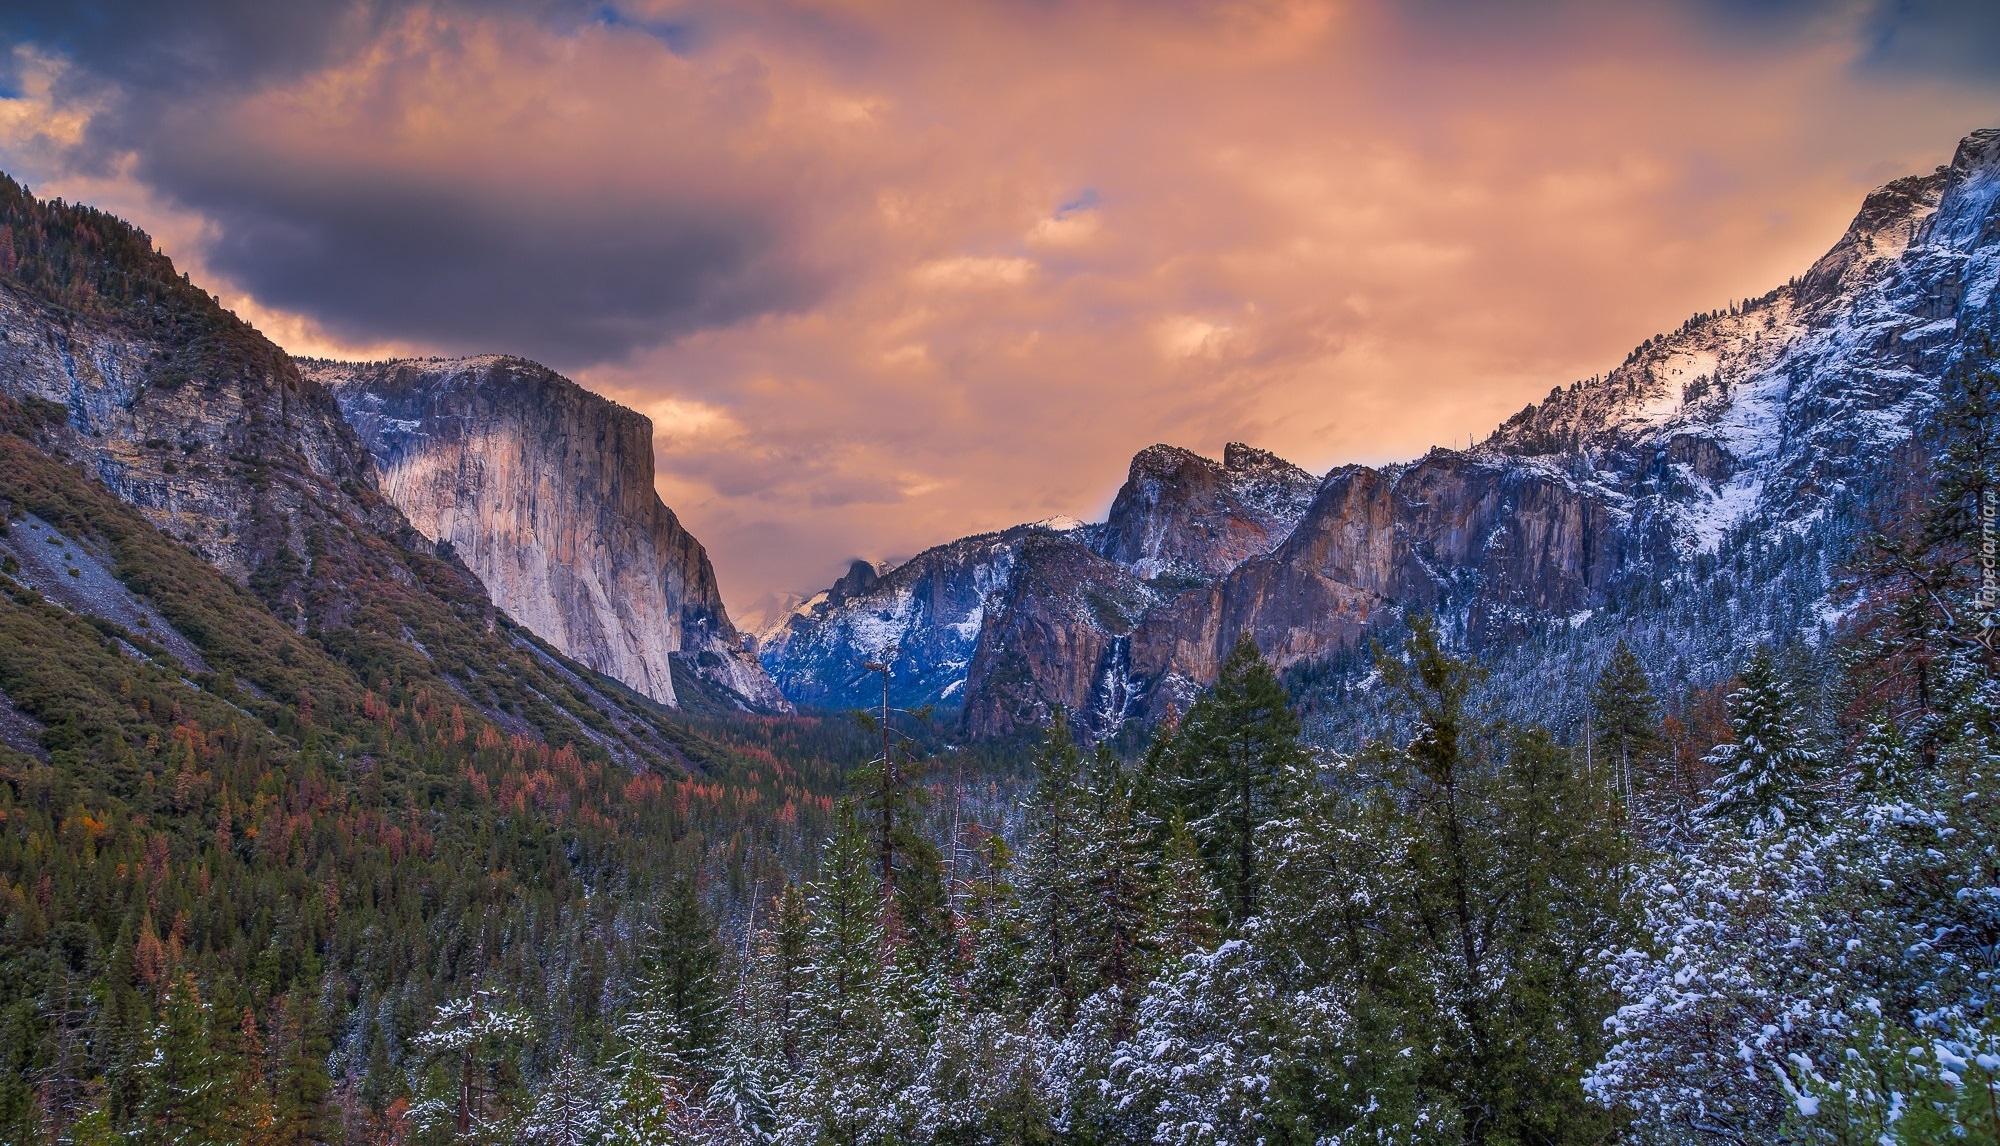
[884, 274]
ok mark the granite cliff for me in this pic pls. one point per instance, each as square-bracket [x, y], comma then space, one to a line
[545, 491]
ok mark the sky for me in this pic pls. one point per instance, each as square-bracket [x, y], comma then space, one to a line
[888, 273]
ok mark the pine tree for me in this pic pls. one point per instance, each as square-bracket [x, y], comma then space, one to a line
[1228, 769]
[1625, 721]
[569, 1106]
[188, 1082]
[1053, 886]
[739, 1098]
[300, 1078]
[1770, 768]
[1185, 921]
[892, 799]
[656, 1102]
[1115, 920]
[838, 1094]
[1504, 882]
[682, 972]
[846, 932]
[786, 959]
[472, 1049]
[996, 931]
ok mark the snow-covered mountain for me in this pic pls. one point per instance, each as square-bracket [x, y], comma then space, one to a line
[1777, 422]
[1013, 622]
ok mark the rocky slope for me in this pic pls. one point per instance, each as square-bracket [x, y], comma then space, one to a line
[926, 615]
[545, 491]
[114, 364]
[1768, 424]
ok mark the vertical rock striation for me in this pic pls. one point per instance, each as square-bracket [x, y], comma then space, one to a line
[545, 491]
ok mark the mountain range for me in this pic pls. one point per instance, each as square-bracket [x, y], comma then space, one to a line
[1774, 418]
[1770, 417]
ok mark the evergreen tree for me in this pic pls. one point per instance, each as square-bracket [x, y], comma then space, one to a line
[1770, 768]
[300, 1080]
[739, 1099]
[1115, 921]
[1507, 884]
[997, 932]
[189, 1082]
[1625, 721]
[471, 1050]
[846, 931]
[1054, 885]
[1185, 921]
[657, 1101]
[892, 799]
[1228, 767]
[786, 961]
[682, 974]
[837, 1094]
[569, 1107]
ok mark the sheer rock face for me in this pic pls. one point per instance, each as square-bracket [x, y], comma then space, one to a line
[545, 491]
[1761, 417]
[1497, 542]
[1060, 635]
[1180, 515]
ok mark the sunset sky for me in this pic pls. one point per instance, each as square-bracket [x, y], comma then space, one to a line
[884, 274]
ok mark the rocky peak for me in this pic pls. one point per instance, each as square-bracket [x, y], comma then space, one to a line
[545, 490]
[1238, 458]
[1180, 515]
[858, 580]
[1965, 212]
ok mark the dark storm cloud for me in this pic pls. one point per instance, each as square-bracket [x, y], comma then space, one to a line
[1960, 38]
[149, 49]
[563, 279]
[455, 260]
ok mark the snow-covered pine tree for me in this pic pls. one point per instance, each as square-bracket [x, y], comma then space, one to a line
[783, 965]
[838, 1093]
[471, 1053]
[1115, 922]
[681, 972]
[1770, 770]
[1184, 916]
[996, 931]
[569, 1106]
[740, 1101]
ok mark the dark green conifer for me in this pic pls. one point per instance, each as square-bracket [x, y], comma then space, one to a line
[682, 974]
[1228, 769]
